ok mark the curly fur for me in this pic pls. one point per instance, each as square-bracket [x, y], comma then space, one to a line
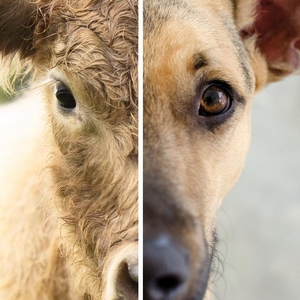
[75, 224]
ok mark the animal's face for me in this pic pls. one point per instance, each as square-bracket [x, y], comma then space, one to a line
[85, 54]
[92, 103]
[186, 65]
[199, 81]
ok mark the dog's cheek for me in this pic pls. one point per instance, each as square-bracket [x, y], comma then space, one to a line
[232, 152]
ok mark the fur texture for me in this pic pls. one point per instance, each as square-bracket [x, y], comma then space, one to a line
[203, 64]
[72, 235]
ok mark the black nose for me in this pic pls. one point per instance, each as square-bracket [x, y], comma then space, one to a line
[166, 269]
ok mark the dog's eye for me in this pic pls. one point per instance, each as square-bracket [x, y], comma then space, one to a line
[65, 98]
[214, 101]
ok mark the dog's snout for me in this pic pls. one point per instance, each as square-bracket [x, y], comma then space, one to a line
[166, 269]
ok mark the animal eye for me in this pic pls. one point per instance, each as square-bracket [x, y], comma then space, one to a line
[65, 98]
[214, 101]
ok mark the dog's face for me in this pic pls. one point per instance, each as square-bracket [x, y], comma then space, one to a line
[199, 82]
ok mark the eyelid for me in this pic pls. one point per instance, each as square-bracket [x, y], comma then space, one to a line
[222, 85]
[231, 90]
[62, 87]
[58, 78]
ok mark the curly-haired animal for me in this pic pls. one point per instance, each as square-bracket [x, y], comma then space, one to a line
[68, 163]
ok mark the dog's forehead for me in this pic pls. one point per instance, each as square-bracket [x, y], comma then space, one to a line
[184, 33]
[157, 13]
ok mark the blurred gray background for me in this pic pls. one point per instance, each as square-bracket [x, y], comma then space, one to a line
[259, 221]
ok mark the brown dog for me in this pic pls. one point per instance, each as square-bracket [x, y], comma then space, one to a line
[203, 62]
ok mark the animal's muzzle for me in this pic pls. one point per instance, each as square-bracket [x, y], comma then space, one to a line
[122, 274]
[176, 257]
[167, 269]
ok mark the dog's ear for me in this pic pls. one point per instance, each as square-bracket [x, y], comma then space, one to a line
[274, 27]
[17, 19]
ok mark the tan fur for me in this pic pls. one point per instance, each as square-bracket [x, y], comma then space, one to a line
[192, 161]
[170, 67]
[69, 192]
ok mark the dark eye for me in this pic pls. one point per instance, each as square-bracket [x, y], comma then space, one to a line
[65, 98]
[214, 101]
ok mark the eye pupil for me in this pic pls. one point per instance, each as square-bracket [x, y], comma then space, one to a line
[65, 98]
[214, 101]
[213, 97]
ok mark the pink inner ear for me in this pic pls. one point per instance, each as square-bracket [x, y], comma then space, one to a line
[278, 28]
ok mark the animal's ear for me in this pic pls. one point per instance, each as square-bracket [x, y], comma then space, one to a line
[17, 18]
[274, 26]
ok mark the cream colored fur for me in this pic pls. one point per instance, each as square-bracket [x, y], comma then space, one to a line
[68, 190]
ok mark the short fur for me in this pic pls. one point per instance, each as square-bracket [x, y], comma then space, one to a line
[72, 235]
[192, 160]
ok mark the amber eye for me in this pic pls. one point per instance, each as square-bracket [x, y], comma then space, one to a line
[214, 101]
[65, 98]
